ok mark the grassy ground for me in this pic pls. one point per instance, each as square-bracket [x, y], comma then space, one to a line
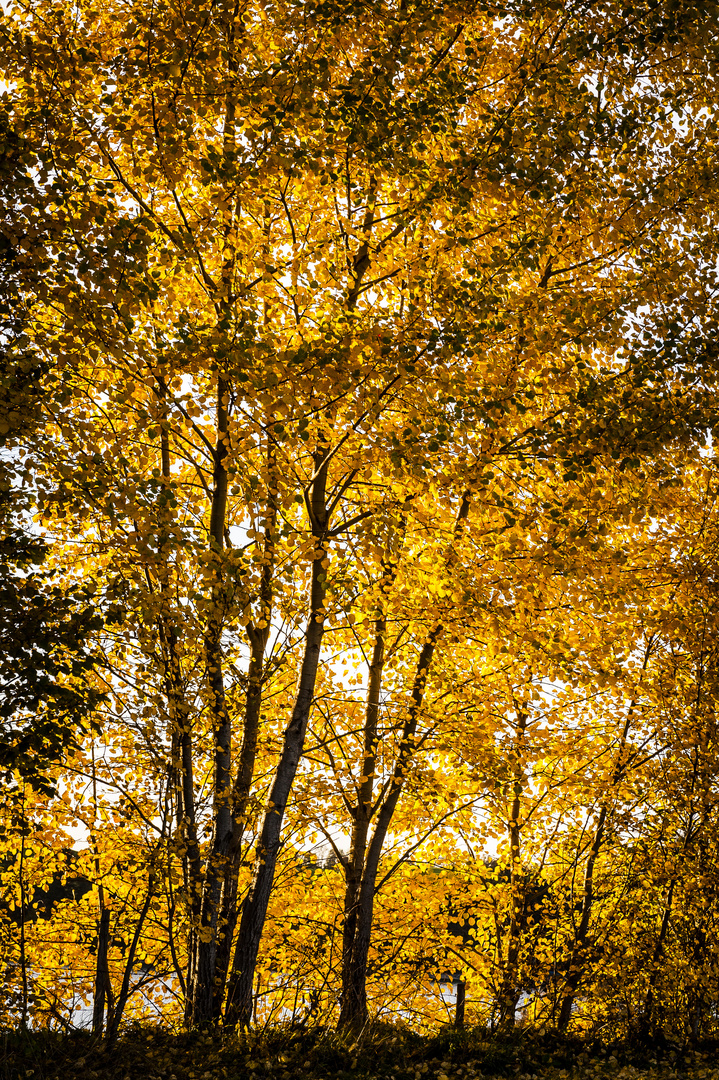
[384, 1054]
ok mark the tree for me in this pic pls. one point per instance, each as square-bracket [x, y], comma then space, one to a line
[47, 692]
[315, 282]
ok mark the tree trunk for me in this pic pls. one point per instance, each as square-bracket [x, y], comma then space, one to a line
[240, 801]
[459, 1008]
[577, 957]
[353, 1009]
[102, 976]
[509, 992]
[238, 1010]
[23, 951]
[258, 637]
[202, 986]
[126, 989]
[576, 960]
[103, 989]
[181, 778]
[363, 811]
[353, 1005]
[645, 1019]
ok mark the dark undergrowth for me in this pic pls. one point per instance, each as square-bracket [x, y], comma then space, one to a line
[383, 1052]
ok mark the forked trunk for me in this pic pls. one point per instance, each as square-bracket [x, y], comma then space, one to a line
[363, 812]
[362, 882]
[238, 1009]
[353, 1008]
[240, 801]
[577, 957]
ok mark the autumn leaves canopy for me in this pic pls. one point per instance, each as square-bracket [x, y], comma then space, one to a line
[358, 375]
